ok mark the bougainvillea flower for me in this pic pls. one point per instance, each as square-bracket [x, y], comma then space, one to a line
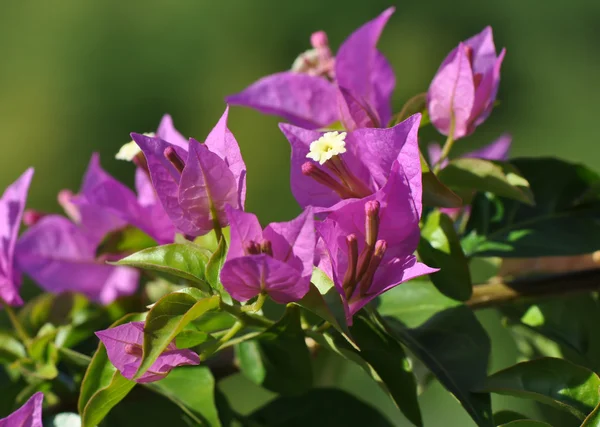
[195, 185]
[105, 204]
[497, 150]
[462, 93]
[61, 256]
[371, 243]
[12, 205]
[328, 169]
[277, 261]
[355, 87]
[28, 415]
[124, 348]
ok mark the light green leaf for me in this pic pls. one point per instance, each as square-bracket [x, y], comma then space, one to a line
[414, 302]
[555, 382]
[593, 419]
[434, 192]
[166, 320]
[185, 260]
[103, 387]
[194, 388]
[213, 270]
[499, 178]
[125, 240]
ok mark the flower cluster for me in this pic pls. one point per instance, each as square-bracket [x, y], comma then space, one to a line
[360, 189]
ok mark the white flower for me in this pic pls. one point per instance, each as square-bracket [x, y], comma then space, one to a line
[329, 145]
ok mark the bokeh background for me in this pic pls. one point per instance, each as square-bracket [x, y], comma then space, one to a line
[78, 76]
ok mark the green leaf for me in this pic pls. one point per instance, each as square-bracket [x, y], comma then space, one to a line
[571, 321]
[250, 359]
[318, 407]
[103, 387]
[105, 399]
[125, 240]
[440, 248]
[185, 260]
[555, 382]
[213, 270]
[414, 302]
[455, 348]
[388, 359]
[563, 221]
[593, 419]
[434, 192]
[194, 388]
[499, 178]
[525, 423]
[506, 416]
[166, 320]
[284, 355]
[191, 338]
[332, 312]
[11, 348]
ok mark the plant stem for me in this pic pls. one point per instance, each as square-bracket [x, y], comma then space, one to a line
[496, 293]
[447, 147]
[248, 319]
[257, 305]
[401, 116]
[14, 320]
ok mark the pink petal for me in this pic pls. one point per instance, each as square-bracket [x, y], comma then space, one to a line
[307, 101]
[206, 186]
[28, 415]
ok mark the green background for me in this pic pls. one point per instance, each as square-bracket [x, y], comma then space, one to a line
[78, 76]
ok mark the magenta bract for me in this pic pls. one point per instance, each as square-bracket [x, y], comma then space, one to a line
[464, 89]
[197, 181]
[321, 90]
[277, 261]
[369, 156]
[12, 205]
[28, 415]
[124, 348]
[370, 243]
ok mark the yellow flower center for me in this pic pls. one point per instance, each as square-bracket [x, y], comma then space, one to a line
[128, 151]
[329, 145]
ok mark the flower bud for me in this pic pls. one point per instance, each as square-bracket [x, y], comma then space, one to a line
[174, 159]
[266, 247]
[371, 222]
[462, 93]
[349, 282]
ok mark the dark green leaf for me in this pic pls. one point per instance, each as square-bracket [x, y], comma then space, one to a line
[455, 348]
[284, 355]
[193, 387]
[250, 359]
[570, 321]
[414, 302]
[166, 320]
[440, 248]
[562, 222]
[126, 240]
[434, 192]
[555, 382]
[388, 359]
[525, 423]
[506, 416]
[499, 178]
[102, 386]
[318, 408]
[213, 270]
[332, 312]
[184, 260]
